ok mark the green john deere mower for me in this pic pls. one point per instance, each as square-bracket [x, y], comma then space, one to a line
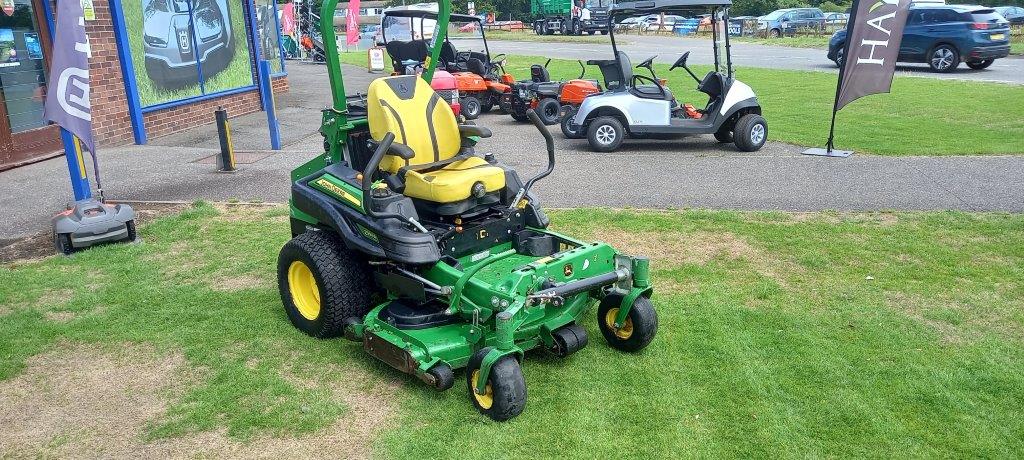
[436, 257]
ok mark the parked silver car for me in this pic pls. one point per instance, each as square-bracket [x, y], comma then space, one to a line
[175, 52]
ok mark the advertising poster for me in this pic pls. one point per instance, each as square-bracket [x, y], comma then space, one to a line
[32, 46]
[177, 57]
[8, 55]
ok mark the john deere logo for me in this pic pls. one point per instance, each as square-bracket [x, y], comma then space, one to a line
[481, 234]
[567, 270]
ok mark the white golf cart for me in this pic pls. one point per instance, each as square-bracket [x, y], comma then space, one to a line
[641, 106]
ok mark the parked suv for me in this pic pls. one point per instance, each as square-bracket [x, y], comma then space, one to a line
[1014, 14]
[943, 36]
[786, 21]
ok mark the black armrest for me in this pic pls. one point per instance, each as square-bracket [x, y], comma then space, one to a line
[474, 130]
[401, 150]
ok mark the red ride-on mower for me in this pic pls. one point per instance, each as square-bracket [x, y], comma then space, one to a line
[548, 98]
[479, 77]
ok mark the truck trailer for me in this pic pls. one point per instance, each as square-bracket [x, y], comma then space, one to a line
[570, 17]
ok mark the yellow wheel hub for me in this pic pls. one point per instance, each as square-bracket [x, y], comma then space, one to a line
[624, 332]
[485, 400]
[305, 292]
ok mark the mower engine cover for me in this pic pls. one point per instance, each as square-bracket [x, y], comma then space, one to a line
[446, 86]
[90, 222]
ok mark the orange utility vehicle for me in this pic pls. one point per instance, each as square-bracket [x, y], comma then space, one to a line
[550, 99]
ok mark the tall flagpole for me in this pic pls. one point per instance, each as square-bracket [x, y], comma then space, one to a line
[842, 71]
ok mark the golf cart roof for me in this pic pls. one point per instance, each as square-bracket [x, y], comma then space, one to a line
[657, 6]
[430, 15]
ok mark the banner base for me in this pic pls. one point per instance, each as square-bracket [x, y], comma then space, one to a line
[820, 152]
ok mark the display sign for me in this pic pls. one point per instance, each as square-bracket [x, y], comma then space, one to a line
[88, 10]
[188, 48]
[376, 57]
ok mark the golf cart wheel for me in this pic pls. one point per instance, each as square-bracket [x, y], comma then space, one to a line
[605, 134]
[322, 283]
[548, 110]
[944, 58]
[636, 332]
[568, 113]
[470, 107]
[505, 394]
[568, 340]
[751, 132]
[723, 135]
[443, 375]
[979, 65]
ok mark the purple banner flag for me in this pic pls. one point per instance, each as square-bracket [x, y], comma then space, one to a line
[872, 46]
[67, 94]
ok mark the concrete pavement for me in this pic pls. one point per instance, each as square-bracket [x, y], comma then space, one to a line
[668, 49]
[694, 172]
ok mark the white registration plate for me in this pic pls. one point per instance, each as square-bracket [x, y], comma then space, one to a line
[997, 36]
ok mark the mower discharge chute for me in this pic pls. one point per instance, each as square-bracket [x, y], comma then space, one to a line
[437, 258]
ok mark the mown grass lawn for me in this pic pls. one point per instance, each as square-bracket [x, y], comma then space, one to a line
[783, 335]
[922, 116]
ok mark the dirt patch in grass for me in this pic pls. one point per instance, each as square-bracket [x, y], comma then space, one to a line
[84, 401]
[238, 283]
[676, 248]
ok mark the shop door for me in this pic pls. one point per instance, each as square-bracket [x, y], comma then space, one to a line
[24, 59]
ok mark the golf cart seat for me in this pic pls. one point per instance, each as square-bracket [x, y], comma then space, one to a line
[448, 54]
[713, 85]
[400, 51]
[440, 172]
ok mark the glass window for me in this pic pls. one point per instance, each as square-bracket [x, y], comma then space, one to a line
[269, 34]
[22, 68]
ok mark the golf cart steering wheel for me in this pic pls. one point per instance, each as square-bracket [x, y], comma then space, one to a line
[498, 59]
[681, 62]
[647, 63]
[637, 78]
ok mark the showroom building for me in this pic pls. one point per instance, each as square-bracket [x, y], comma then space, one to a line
[156, 67]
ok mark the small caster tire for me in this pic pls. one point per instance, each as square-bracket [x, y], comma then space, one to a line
[505, 395]
[443, 376]
[640, 326]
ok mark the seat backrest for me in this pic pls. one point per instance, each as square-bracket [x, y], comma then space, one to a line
[712, 85]
[406, 106]
[476, 66]
[626, 67]
[448, 53]
[539, 73]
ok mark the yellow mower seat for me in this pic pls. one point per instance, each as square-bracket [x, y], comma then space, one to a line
[409, 108]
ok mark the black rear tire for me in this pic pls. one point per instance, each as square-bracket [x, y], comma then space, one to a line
[340, 288]
[486, 104]
[568, 112]
[506, 396]
[62, 243]
[548, 110]
[980, 65]
[605, 134]
[471, 107]
[640, 327]
[751, 132]
[519, 116]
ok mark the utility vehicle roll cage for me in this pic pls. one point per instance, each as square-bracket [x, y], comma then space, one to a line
[681, 7]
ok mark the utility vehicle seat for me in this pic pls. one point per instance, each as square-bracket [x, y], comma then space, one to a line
[438, 172]
[415, 50]
[713, 85]
[539, 74]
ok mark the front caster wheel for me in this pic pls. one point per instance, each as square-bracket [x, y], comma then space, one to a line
[442, 376]
[750, 133]
[548, 109]
[504, 396]
[636, 332]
